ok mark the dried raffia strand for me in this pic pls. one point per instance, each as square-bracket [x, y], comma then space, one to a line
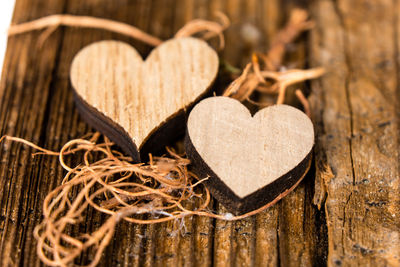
[291, 77]
[54, 21]
[162, 191]
[304, 102]
[237, 83]
[51, 23]
[43, 150]
[270, 80]
[210, 28]
[248, 81]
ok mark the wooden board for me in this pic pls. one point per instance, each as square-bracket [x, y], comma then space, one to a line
[357, 113]
[355, 109]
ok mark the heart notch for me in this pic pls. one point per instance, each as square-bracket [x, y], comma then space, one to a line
[141, 105]
[251, 161]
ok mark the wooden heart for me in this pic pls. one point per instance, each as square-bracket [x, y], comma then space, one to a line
[251, 161]
[139, 104]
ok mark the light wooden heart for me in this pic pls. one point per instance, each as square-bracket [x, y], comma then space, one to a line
[251, 161]
[141, 104]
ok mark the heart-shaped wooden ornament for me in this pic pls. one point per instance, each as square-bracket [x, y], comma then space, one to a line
[250, 161]
[141, 105]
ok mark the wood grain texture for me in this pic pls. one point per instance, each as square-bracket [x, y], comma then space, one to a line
[355, 225]
[251, 160]
[130, 100]
[357, 110]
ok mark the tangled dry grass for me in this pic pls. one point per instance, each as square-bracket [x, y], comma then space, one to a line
[107, 181]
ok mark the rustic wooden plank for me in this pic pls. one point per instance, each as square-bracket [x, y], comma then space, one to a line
[266, 247]
[25, 90]
[301, 227]
[357, 113]
[240, 249]
[235, 242]
[355, 109]
[62, 113]
[129, 239]
[166, 236]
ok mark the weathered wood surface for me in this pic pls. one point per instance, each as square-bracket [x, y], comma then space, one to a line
[355, 108]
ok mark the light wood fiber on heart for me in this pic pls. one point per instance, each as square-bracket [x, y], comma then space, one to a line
[139, 96]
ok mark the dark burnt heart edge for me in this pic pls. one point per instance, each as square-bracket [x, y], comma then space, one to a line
[171, 130]
[270, 193]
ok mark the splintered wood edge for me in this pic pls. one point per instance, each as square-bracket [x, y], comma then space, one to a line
[271, 193]
[106, 126]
